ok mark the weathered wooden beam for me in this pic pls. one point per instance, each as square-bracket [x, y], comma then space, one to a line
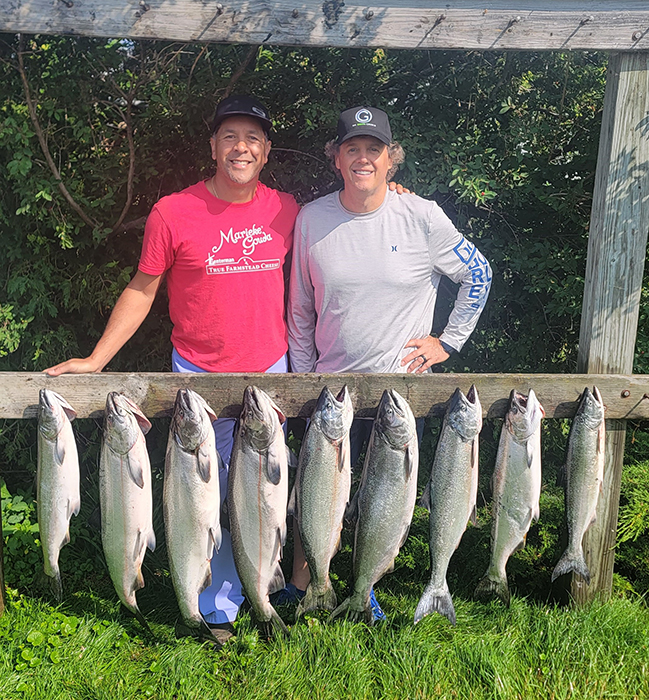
[617, 247]
[296, 394]
[409, 24]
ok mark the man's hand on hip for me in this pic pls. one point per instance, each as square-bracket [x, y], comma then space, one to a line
[428, 352]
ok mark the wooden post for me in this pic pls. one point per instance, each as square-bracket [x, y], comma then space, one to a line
[617, 248]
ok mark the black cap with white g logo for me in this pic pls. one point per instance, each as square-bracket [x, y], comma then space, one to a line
[364, 121]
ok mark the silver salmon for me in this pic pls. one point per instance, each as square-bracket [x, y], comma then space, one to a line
[322, 489]
[584, 475]
[516, 489]
[385, 501]
[451, 495]
[125, 497]
[257, 503]
[57, 480]
[191, 501]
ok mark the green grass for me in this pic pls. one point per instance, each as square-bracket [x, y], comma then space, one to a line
[87, 648]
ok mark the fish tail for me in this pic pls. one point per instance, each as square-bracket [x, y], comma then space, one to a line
[353, 613]
[493, 585]
[141, 619]
[56, 586]
[435, 600]
[572, 561]
[275, 626]
[318, 598]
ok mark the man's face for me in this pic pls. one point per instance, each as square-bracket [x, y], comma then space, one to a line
[363, 162]
[240, 148]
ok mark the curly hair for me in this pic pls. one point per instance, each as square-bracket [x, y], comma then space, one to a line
[395, 151]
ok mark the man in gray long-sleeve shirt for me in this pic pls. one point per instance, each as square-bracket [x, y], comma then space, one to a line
[366, 267]
[367, 264]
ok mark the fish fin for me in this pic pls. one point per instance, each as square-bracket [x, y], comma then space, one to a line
[317, 598]
[352, 613]
[404, 537]
[59, 451]
[140, 618]
[491, 586]
[435, 600]
[351, 511]
[135, 470]
[291, 458]
[273, 470]
[474, 452]
[66, 538]
[291, 508]
[137, 548]
[601, 438]
[150, 540]
[275, 626]
[139, 581]
[204, 464]
[56, 587]
[530, 453]
[572, 562]
[389, 568]
[274, 464]
[473, 518]
[344, 454]
[342, 609]
[225, 515]
[521, 544]
[206, 581]
[561, 476]
[213, 541]
[424, 501]
[412, 456]
[277, 582]
[73, 507]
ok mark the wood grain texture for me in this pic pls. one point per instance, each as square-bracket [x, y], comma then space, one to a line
[410, 24]
[616, 253]
[296, 394]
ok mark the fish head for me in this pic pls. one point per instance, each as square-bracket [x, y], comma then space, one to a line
[394, 419]
[464, 414]
[260, 418]
[123, 423]
[334, 414]
[524, 415]
[53, 411]
[591, 408]
[192, 419]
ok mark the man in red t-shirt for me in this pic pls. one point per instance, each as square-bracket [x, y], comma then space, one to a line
[222, 244]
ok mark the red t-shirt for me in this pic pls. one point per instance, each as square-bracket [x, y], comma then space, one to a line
[224, 275]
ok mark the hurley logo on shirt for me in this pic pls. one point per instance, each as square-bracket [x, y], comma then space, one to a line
[248, 239]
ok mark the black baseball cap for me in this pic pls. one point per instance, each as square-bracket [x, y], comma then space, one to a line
[244, 105]
[364, 121]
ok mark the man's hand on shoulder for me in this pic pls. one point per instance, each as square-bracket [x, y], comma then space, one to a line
[428, 352]
[400, 189]
[77, 365]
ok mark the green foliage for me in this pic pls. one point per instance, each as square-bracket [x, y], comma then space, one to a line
[22, 551]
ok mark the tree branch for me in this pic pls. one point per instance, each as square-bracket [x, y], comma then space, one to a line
[31, 106]
[128, 119]
[240, 70]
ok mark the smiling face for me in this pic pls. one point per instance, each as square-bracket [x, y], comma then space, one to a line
[240, 148]
[364, 163]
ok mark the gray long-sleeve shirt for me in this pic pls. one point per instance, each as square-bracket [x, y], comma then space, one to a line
[362, 285]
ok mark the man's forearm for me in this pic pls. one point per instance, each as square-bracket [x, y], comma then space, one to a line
[130, 311]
